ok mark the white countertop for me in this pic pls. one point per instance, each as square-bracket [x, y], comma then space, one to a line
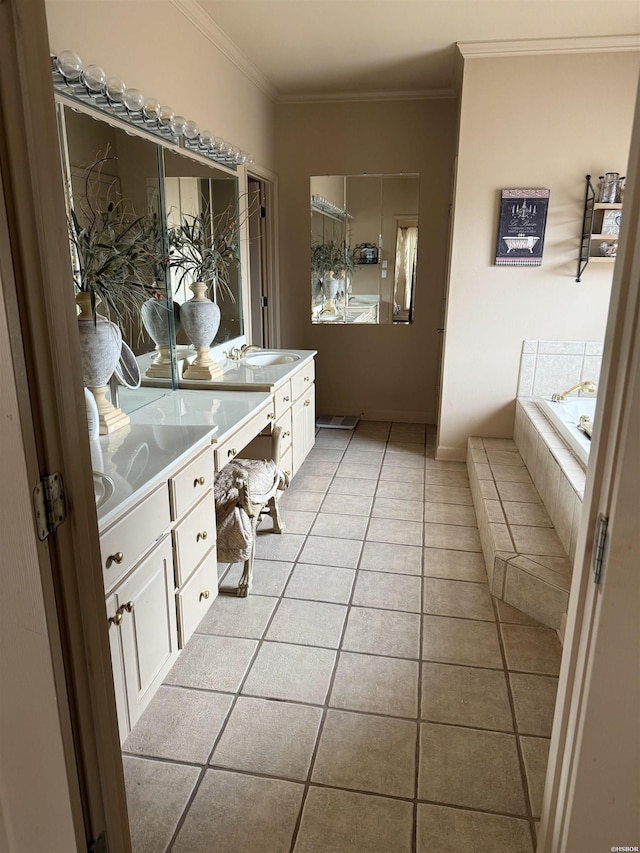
[138, 457]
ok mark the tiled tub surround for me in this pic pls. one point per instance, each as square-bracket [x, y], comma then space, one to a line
[369, 695]
[526, 560]
[550, 367]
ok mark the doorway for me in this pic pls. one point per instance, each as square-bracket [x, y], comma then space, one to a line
[259, 204]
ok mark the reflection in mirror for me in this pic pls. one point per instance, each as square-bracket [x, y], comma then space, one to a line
[364, 242]
[115, 222]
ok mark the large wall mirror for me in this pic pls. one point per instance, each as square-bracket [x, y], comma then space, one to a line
[364, 245]
[129, 199]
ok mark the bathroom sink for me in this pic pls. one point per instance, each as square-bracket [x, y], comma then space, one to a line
[103, 487]
[267, 358]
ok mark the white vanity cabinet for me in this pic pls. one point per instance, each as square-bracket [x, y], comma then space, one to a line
[160, 574]
[303, 415]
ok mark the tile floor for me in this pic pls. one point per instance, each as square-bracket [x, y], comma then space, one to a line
[369, 695]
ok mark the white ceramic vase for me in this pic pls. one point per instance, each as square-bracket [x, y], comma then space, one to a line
[200, 318]
[155, 317]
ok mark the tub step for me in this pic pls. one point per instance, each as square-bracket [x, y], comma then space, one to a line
[526, 562]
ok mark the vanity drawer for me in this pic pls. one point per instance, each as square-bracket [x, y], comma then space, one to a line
[302, 379]
[227, 450]
[196, 597]
[261, 446]
[286, 462]
[188, 485]
[133, 534]
[194, 537]
[282, 398]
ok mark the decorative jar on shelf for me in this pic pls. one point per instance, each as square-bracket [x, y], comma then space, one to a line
[610, 188]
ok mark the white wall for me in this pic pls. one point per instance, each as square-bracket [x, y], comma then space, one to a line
[383, 371]
[530, 121]
[152, 46]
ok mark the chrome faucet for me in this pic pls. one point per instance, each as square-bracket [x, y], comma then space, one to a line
[236, 354]
[588, 386]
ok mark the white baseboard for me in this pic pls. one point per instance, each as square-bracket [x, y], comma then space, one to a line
[451, 454]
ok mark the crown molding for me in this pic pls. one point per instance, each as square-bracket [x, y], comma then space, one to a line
[350, 97]
[532, 47]
[196, 15]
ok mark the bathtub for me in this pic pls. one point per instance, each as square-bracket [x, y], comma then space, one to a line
[565, 418]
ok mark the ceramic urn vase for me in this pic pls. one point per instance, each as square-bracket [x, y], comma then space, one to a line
[330, 287]
[100, 348]
[155, 317]
[200, 318]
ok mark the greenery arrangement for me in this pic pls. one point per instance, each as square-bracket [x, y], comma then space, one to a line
[332, 257]
[117, 255]
[204, 247]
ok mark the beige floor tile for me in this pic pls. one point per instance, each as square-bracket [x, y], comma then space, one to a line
[367, 753]
[499, 444]
[356, 471]
[376, 685]
[360, 456]
[456, 565]
[311, 623]
[332, 438]
[445, 465]
[437, 477]
[444, 597]
[444, 513]
[460, 495]
[231, 616]
[510, 473]
[504, 457]
[301, 501]
[309, 483]
[405, 459]
[461, 641]
[388, 591]
[469, 767]
[531, 649]
[518, 492]
[532, 514]
[465, 696]
[535, 752]
[452, 536]
[393, 490]
[233, 812]
[328, 551]
[269, 576]
[345, 822]
[274, 546]
[296, 673]
[320, 468]
[340, 526]
[537, 540]
[386, 557]
[350, 486]
[534, 699]
[446, 830]
[295, 521]
[382, 632]
[395, 531]
[157, 794]
[180, 724]
[212, 663]
[347, 504]
[507, 613]
[321, 583]
[322, 453]
[274, 738]
[401, 474]
[406, 510]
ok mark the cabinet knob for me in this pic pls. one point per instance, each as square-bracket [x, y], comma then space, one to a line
[204, 595]
[118, 557]
[288, 473]
[202, 535]
[116, 619]
[271, 416]
[305, 378]
[307, 402]
[286, 399]
[231, 452]
[286, 433]
[199, 481]
[129, 607]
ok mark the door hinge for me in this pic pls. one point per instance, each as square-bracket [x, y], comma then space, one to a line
[263, 212]
[99, 844]
[49, 504]
[264, 302]
[599, 546]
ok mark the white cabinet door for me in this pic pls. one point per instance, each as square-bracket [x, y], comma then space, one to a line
[303, 426]
[148, 631]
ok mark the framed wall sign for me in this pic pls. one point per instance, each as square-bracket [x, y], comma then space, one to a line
[523, 217]
[611, 222]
